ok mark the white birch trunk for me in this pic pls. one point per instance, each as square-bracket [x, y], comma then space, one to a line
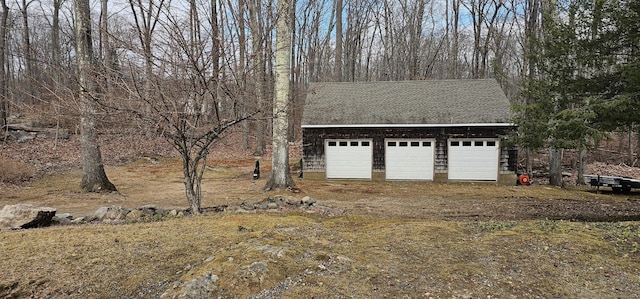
[280, 177]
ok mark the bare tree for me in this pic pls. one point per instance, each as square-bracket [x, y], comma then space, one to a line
[294, 71]
[146, 15]
[242, 62]
[4, 103]
[358, 18]
[215, 54]
[258, 40]
[27, 53]
[324, 66]
[389, 70]
[530, 33]
[56, 52]
[236, 14]
[416, 40]
[483, 15]
[104, 33]
[94, 179]
[107, 56]
[338, 59]
[189, 80]
[313, 44]
[280, 177]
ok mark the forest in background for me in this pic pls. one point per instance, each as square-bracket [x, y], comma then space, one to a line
[569, 67]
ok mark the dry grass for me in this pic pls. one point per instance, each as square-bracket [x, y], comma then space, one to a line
[463, 201]
[139, 183]
[324, 257]
[14, 172]
[397, 239]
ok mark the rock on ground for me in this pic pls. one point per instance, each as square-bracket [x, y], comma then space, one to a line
[25, 216]
[196, 288]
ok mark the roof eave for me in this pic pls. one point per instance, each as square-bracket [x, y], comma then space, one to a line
[409, 125]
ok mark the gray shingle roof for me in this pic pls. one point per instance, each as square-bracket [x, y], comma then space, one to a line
[406, 102]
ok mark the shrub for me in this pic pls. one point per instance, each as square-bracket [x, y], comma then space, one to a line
[13, 171]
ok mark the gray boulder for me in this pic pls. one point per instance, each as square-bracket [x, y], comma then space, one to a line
[109, 214]
[292, 200]
[21, 136]
[308, 201]
[25, 216]
[63, 219]
[197, 288]
[148, 210]
[134, 215]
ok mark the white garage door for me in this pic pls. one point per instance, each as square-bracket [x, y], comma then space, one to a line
[409, 159]
[349, 159]
[471, 159]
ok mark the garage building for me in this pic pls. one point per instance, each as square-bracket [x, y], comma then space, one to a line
[434, 130]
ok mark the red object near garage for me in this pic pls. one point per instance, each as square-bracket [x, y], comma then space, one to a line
[524, 179]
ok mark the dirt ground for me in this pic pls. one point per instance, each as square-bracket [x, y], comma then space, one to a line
[144, 178]
[229, 182]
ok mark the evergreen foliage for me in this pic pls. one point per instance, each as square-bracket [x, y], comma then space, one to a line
[587, 79]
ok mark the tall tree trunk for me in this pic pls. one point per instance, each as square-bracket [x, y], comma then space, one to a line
[313, 46]
[338, 69]
[215, 59]
[280, 177]
[294, 74]
[94, 179]
[192, 197]
[28, 60]
[367, 76]
[456, 40]
[105, 49]
[104, 35]
[4, 103]
[637, 147]
[324, 58]
[268, 86]
[529, 161]
[531, 33]
[630, 149]
[621, 137]
[259, 73]
[388, 42]
[581, 166]
[56, 53]
[192, 179]
[416, 41]
[476, 14]
[242, 44]
[555, 167]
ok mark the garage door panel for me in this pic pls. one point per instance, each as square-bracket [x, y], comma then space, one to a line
[349, 159]
[409, 159]
[473, 160]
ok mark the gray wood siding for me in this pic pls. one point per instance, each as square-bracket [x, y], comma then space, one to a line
[313, 143]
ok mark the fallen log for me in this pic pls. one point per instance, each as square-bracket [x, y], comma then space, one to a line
[40, 131]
